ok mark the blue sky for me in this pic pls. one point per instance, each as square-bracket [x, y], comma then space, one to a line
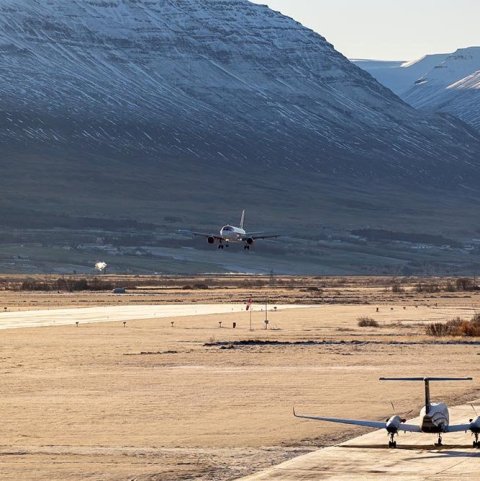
[388, 29]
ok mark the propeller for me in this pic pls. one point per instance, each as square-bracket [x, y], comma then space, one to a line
[394, 412]
[476, 413]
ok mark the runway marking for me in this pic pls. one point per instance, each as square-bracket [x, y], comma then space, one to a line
[88, 315]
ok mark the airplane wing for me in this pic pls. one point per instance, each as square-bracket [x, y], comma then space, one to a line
[456, 428]
[410, 428]
[357, 422]
[259, 236]
[203, 234]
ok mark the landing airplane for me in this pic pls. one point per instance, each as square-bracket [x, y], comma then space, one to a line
[434, 416]
[230, 233]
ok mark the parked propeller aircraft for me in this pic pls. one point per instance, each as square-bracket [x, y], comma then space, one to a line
[434, 417]
[230, 233]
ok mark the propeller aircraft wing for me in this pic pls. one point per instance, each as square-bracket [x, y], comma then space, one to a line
[358, 422]
[457, 428]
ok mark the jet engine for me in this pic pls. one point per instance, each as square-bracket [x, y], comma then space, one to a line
[249, 241]
[211, 240]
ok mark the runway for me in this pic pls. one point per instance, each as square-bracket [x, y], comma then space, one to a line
[368, 458]
[88, 315]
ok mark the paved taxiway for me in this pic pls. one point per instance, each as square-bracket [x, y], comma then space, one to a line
[368, 458]
[87, 315]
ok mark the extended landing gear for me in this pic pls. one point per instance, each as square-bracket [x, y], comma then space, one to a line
[246, 247]
[439, 441]
[392, 443]
[476, 443]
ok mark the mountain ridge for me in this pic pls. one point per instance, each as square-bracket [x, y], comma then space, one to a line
[445, 83]
[399, 76]
[119, 78]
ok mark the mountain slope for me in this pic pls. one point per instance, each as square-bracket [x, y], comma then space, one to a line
[141, 111]
[400, 76]
[451, 86]
[436, 83]
[224, 81]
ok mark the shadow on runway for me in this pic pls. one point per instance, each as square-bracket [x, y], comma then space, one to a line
[450, 454]
[436, 451]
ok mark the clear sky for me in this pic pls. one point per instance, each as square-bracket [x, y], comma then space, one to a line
[388, 29]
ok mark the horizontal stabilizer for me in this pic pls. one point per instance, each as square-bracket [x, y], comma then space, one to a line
[423, 379]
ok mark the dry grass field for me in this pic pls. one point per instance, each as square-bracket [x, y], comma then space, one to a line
[152, 402]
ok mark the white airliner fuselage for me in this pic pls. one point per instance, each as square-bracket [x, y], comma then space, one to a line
[232, 234]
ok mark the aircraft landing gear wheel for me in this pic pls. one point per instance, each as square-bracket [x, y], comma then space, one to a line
[392, 444]
[220, 246]
[439, 442]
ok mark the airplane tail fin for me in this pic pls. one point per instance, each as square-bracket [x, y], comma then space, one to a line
[242, 219]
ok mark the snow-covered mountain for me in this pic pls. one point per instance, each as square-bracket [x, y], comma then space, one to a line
[436, 83]
[208, 80]
[400, 76]
[451, 86]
